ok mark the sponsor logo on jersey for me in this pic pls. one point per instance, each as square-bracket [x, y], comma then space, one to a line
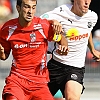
[73, 34]
[28, 45]
[16, 46]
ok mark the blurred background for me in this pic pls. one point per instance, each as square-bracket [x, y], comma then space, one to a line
[92, 75]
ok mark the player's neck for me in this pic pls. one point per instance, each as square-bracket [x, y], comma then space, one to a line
[24, 23]
[76, 11]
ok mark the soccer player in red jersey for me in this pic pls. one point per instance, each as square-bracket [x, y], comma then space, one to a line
[27, 37]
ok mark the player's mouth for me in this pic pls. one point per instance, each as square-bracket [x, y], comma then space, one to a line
[86, 7]
[29, 16]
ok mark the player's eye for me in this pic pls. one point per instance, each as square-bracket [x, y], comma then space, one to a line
[26, 6]
[33, 7]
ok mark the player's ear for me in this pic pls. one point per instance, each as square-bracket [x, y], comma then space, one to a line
[18, 8]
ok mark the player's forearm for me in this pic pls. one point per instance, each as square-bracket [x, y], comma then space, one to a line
[90, 43]
[63, 41]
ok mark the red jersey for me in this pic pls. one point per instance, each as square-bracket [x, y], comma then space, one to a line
[29, 46]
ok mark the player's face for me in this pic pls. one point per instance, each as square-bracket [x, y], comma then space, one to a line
[81, 6]
[27, 10]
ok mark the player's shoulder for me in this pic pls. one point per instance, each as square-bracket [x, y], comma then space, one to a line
[63, 7]
[43, 23]
[92, 14]
[11, 22]
[53, 14]
[40, 20]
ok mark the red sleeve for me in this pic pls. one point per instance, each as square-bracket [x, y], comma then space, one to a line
[50, 33]
[3, 41]
[48, 29]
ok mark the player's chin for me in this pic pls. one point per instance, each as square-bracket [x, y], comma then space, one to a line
[85, 11]
[28, 19]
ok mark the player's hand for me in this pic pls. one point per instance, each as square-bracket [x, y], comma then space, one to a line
[96, 55]
[3, 55]
[63, 50]
[63, 46]
[57, 26]
[1, 49]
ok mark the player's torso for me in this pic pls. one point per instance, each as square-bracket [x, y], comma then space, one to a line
[77, 31]
[28, 45]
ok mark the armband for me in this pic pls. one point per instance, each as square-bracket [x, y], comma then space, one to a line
[57, 37]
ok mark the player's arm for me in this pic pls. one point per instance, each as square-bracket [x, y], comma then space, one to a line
[96, 54]
[57, 27]
[58, 37]
[63, 46]
[90, 43]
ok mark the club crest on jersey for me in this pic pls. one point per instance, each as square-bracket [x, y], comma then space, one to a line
[89, 24]
[33, 37]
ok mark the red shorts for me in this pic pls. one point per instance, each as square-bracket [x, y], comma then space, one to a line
[23, 89]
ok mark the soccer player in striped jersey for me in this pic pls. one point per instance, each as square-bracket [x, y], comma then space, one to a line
[27, 37]
[67, 71]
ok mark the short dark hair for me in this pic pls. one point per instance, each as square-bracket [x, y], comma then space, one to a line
[19, 2]
[72, 1]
